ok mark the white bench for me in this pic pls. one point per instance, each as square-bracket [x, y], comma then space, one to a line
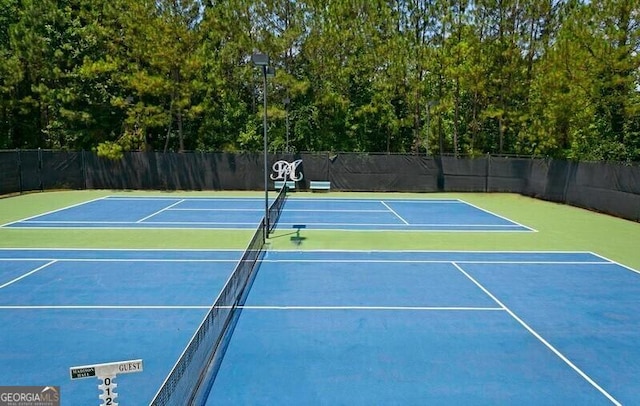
[319, 185]
[279, 184]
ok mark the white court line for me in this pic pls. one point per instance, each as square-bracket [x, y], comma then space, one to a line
[160, 211]
[135, 198]
[540, 338]
[428, 201]
[410, 230]
[28, 273]
[437, 227]
[52, 211]
[160, 198]
[359, 201]
[394, 212]
[118, 260]
[335, 211]
[79, 222]
[131, 249]
[311, 261]
[142, 307]
[151, 226]
[131, 222]
[98, 307]
[245, 226]
[458, 225]
[497, 215]
[435, 261]
[221, 226]
[423, 308]
[50, 255]
[217, 209]
[409, 250]
[616, 263]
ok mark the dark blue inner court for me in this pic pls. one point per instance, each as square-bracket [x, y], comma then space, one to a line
[245, 213]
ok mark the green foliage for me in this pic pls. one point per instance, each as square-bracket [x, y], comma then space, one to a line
[110, 150]
[550, 78]
[132, 139]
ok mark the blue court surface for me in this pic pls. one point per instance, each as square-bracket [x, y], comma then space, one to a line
[245, 213]
[332, 327]
[65, 308]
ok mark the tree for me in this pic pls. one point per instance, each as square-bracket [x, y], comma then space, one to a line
[11, 74]
[551, 77]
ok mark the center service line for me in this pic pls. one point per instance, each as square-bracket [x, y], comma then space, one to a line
[394, 212]
[160, 211]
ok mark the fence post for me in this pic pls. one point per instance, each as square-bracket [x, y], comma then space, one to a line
[83, 169]
[19, 163]
[329, 161]
[569, 177]
[487, 173]
[440, 182]
[41, 183]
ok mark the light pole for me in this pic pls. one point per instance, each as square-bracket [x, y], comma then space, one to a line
[430, 104]
[262, 60]
[286, 114]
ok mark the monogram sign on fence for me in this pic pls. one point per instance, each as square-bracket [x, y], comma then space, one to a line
[283, 170]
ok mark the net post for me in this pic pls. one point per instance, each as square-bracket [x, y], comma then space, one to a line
[265, 230]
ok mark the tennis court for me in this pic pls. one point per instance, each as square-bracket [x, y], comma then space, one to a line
[332, 327]
[245, 213]
[319, 326]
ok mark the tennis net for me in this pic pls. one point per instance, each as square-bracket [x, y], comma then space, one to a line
[188, 381]
[276, 208]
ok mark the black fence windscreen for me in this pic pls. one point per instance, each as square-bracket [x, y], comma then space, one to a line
[605, 187]
[31, 170]
[382, 173]
[9, 172]
[508, 174]
[614, 189]
[62, 170]
[464, 175]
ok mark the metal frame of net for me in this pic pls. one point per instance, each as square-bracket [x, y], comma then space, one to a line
[184, 383]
